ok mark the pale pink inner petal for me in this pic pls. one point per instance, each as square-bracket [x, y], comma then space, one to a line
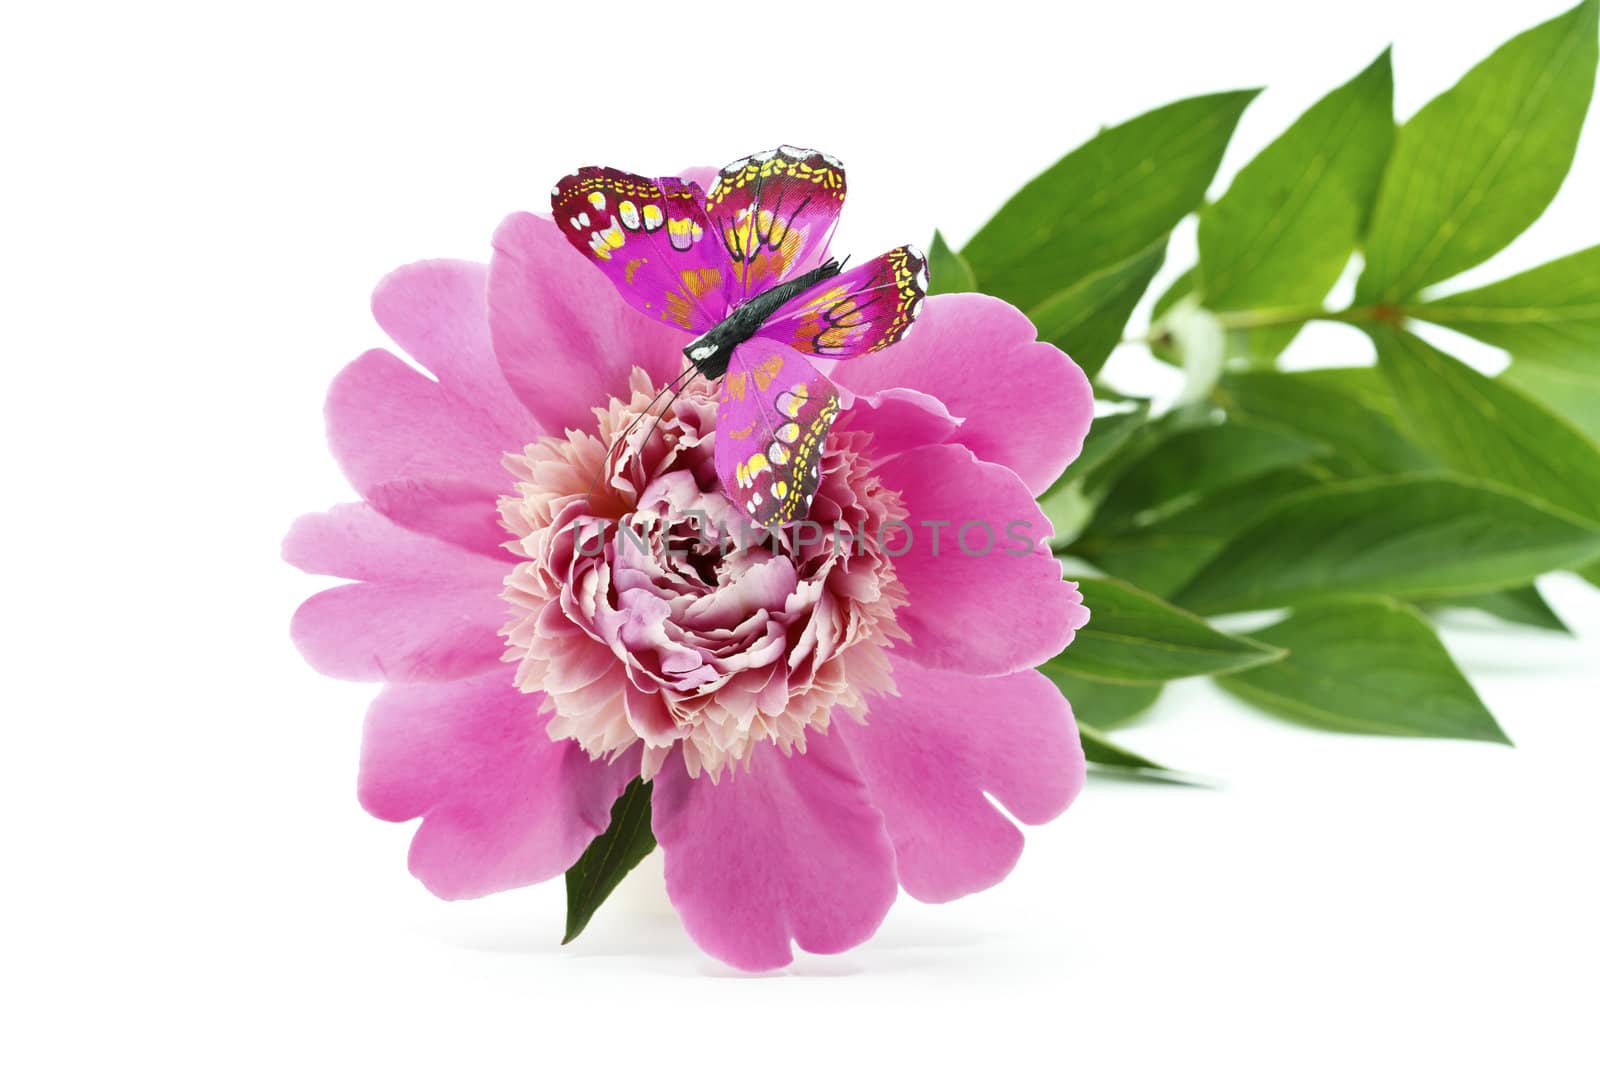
[720, 643]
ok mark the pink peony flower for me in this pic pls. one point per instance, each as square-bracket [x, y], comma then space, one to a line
[821, 723]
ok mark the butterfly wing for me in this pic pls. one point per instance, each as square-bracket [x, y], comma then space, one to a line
[773, 416]
[859, 311]
[773, 214]
[652, 238]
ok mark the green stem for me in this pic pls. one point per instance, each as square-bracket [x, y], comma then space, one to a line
[1256, 318]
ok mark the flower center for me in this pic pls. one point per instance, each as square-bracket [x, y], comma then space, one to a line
[647, 610]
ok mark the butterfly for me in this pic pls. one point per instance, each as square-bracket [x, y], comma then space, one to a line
[744, 267]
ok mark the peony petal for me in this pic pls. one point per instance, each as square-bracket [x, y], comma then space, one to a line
[437, 311]
[423, 610]
[701, 176]
[1025, 405]
[403, 439]
[452, 511]
[976, 612]
[502, 805]
[565, 339]
[387, 423]
[789, 848]
[930, 754]
[899, 419]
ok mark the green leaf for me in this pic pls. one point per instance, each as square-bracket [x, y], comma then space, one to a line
[609, 857]
[1363, 439]
[1283, 232]
[1164, 557]
[1098, 748]
[1101, 704]
[1548, 318]
[1086, 319]
[1415, 536]
[1181, 287]
[1570, 388]
[1525, 606]
[1549, 314]
[1481, 161]
[1105, 202]
[1066, 504]
[1486, 429]
[1365, 385]
[947, 271]
[1107, 435]
[1188, 465]
[1134, 638]
[1367, 665]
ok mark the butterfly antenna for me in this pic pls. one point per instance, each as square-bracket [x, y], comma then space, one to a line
[693, 369]
[622, 438]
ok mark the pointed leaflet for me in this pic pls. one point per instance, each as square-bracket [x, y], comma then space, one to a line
[1367, 665]
[1102, 705]
[609, 857]
[1571, 387]
[1162, 558]
[1086, 319]
[1139, 639]
[1282, 233]
[1550, 314]
[1525, 606]
[1478, 164]
[1098, 748]
[1105, 202]
[1484, 428]
[948, 272]
[1191, 464]
[1548, 318]
[1362, 437]
[1413, 536]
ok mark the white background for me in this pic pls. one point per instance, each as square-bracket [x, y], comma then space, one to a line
[196, 202]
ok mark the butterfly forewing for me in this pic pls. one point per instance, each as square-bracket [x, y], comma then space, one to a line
[652, 238]
[773, 214]
[773, 418]
[862, 310]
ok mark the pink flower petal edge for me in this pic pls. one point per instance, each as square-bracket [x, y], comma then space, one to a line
[422, 610]
[501, 804]
[804, 850]
[1023, 404]
[989, 614]
[929, 754]
[791, 850]
[565, 340]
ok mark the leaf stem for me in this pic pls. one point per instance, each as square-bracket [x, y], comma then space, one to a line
[1257, 318]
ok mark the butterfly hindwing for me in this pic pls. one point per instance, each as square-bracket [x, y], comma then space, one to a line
[652, 238]
[773, 416]
[773, 214]
[859, 311]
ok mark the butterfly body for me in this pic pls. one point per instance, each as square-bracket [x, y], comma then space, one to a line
[744, 268]
[712, 351]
